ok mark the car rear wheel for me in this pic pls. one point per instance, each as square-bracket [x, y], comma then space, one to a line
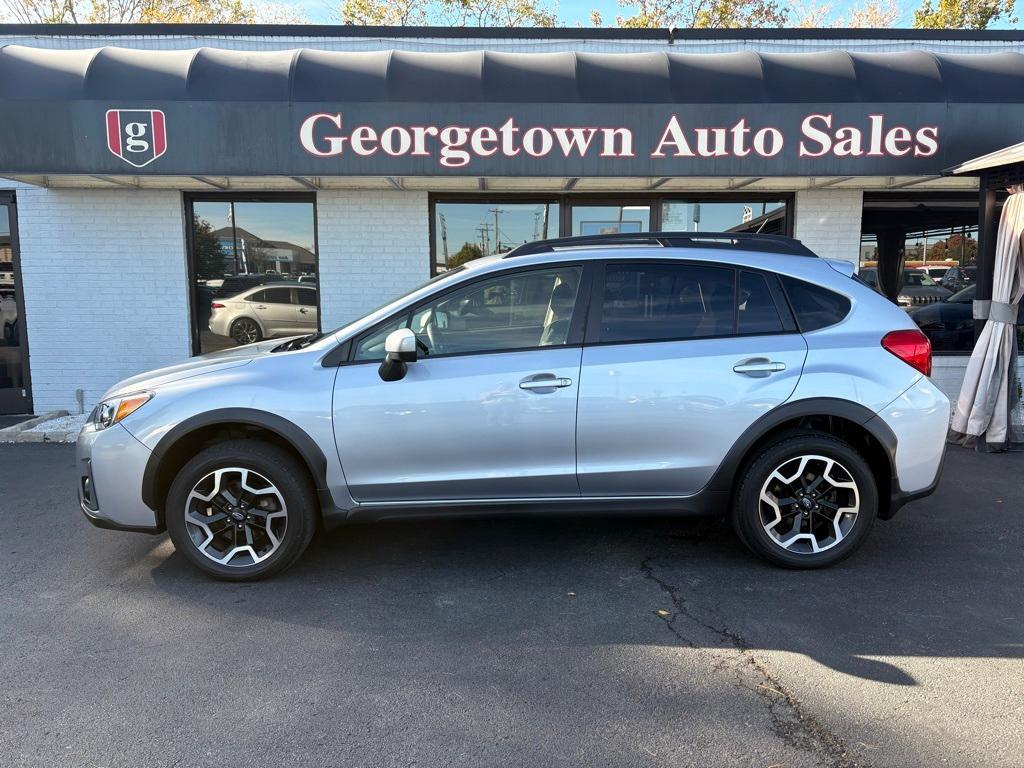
[805, 501]
[241, 510]
[245, 331]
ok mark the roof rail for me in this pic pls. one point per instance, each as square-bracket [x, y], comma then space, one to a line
[728, 240]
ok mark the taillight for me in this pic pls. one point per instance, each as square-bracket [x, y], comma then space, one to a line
[216, 305]
[912, 347]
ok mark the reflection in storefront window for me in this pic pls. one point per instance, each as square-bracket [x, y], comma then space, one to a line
[766, 217]
[610, 219]
[938, 284]
[255, 269]
[467, 231]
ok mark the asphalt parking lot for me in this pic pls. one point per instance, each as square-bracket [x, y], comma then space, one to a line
[534, 642]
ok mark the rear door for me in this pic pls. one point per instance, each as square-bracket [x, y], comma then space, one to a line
[681, 357]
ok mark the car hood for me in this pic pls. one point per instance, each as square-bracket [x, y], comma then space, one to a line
[196, 366]
[929, 313]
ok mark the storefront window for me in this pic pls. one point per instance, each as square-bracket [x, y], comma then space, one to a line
[767, 217]
[936, 236]
[467, 231]
[255, 269]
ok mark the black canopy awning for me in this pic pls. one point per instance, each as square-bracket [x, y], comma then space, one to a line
[214, 111]
[210, 74]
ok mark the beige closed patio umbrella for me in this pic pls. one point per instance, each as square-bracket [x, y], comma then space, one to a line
[991, 390]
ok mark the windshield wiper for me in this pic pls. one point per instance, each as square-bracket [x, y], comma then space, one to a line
[300, 343]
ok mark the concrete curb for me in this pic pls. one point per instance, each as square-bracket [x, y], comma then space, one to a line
[18, 433]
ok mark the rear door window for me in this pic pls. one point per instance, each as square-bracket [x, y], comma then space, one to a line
[756, 311]
[656, 302]
[815, 307]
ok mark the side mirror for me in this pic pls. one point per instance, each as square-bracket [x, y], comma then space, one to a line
[400, 346]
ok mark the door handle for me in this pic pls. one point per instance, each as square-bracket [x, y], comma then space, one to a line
[544, 381]
[303, 310]
[260, 306]
[758, 367]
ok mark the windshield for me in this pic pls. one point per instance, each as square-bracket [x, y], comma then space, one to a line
[967, 294]
[380, 310]
[917, 277]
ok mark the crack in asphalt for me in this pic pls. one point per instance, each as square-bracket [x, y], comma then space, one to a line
[790, 720]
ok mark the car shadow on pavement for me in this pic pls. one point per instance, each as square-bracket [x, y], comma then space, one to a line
[940, 580]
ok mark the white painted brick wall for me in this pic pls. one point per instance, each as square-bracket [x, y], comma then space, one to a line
[828, 222]
[105, 288]
[374, 246]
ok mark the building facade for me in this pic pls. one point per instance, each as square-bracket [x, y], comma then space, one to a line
[162, 186]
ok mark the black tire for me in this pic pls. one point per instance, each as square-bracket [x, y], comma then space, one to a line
[277, 466]
[746, 510]
[235, 331]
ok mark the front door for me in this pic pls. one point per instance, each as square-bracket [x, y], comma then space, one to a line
[687, 356]
[15, 396]
[305, 310]
[488, 411]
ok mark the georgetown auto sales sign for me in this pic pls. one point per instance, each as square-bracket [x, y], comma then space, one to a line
[326, 135]
[492, 139]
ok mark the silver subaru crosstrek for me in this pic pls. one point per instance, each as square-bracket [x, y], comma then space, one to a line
[723, 374]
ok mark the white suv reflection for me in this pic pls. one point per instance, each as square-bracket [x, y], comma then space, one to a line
[265, 312]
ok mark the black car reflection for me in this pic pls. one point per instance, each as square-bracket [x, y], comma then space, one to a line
[949, 323]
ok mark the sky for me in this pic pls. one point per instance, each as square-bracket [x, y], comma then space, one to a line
[577, 12]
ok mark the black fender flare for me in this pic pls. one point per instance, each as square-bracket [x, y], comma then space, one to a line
[725, 476]
[307, 448]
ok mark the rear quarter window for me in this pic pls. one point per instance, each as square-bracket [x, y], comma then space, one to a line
[815, 307]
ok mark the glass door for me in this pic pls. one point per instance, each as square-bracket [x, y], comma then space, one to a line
[15, 396]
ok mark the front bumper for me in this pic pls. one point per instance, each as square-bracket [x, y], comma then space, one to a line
[110, 465]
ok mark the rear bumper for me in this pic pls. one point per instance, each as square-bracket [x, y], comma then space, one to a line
[110, 465]
[919, 420]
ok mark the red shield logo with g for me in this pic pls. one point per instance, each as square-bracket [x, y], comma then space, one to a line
[137, 136]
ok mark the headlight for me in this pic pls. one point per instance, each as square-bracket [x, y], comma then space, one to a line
[111, 411]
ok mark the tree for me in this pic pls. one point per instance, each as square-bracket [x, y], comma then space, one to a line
[449, 13]
[467, 252]
[873, 15]
[963, 14]
[209, 256]
[399, 13]
[956, 248]
[132, 11]
[705, 14]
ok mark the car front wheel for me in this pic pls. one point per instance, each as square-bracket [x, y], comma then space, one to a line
[805, 501]
[241, 510]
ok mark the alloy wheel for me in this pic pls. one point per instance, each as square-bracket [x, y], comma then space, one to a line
[236, 517]
[245, 331]
[809, 504]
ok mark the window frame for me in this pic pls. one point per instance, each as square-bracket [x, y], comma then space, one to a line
[566, 201]
[188, 208]
[593, 327]
[577, 324]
